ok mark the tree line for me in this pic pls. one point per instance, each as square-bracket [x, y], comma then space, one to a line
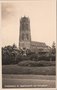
[13, 55]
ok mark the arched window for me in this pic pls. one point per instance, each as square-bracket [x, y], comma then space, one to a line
[22, 36]
[27, 36]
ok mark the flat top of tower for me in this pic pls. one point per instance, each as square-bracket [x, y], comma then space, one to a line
[24, 18]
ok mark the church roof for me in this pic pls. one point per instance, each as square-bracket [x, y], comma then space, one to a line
[38, 43]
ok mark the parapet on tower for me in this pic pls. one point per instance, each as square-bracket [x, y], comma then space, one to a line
[25, 34]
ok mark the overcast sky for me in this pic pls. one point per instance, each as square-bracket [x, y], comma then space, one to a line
[42, 14]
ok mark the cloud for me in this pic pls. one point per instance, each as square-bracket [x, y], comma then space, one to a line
[7, 10]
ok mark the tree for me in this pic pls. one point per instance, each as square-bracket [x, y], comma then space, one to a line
[14, 46]
[53, 51]
[53, 48]
[9, 54]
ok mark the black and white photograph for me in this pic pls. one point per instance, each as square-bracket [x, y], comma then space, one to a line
[28, 49]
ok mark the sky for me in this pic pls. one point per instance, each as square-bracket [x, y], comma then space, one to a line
[42, 14]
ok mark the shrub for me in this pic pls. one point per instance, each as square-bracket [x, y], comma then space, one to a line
[36, 63]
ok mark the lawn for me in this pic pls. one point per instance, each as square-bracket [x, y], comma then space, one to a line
[15, 69]
[34, 81]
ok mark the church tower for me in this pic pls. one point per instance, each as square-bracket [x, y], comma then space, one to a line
[25, 34]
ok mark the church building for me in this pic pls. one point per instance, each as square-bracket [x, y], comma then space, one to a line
[25, 38]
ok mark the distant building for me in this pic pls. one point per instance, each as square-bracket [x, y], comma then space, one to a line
[25, 38]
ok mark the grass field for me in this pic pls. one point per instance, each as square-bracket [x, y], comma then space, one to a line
[32, 81]
[15, 69]
[14, 76]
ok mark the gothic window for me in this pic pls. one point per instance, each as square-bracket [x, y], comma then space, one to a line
[22, 36]
[27, 36]
[26, 26]
[23, 26]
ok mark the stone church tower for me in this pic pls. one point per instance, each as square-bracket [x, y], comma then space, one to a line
[25, 34]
